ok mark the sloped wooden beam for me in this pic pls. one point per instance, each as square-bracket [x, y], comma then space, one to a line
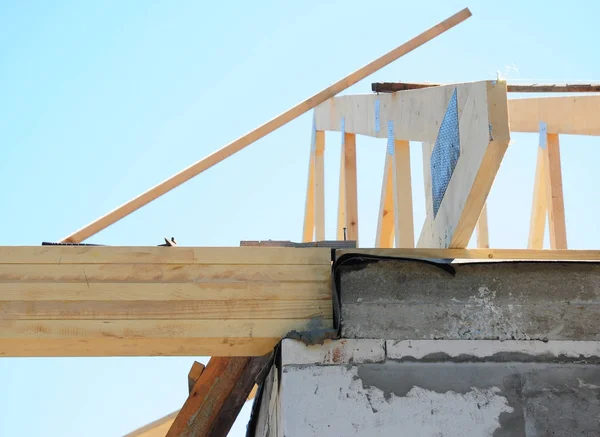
[265, 129]
[218, 396]
[147, 301]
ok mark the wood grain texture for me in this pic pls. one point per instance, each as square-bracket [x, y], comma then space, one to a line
[563, 115]
[308, 229]
[539, 207]
[385, 217]
[320, 186]
[83, 308]
[265, 129]
[403, 204]
[483, 237]
[350, 188]
[554, 190]
[160, 255]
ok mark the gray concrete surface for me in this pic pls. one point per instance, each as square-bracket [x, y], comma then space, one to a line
[403, 300]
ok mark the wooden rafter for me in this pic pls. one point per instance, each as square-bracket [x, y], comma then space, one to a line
[265, 129]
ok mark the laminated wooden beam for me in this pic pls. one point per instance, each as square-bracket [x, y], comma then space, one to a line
[576, 115]
[265, 129]
[98, 301]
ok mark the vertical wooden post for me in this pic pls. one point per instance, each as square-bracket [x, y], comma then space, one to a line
[385, 218]
[554, 189]
[341, 222]
[483, 238]
[539, 205]
[403, 207]
[319, 186]
[351, 189]
[309, 208]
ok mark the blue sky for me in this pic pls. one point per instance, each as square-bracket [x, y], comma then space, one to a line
[101, 100]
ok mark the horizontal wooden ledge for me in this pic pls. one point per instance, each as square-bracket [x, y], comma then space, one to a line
[136, 347]
[482, 254]
[160, 291]
[88, 273]
[164, 310]
[163, 255]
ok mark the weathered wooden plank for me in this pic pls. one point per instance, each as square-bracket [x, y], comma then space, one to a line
[88, 273]
[161, 291]
[217, 397]
[218, 310]
[162, 255]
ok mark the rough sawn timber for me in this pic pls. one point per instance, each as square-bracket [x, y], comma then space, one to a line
[122, 301]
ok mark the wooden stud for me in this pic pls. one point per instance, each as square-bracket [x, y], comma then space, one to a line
[403, 207]
[309, 209]
[341, 221]
[320, 186]
[539, 205]
[350, 189]
[385, 218]
[554, 190]
[265, 129]
[483, 239]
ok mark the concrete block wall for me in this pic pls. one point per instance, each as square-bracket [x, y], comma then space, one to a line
[490, 349]
[444, 388]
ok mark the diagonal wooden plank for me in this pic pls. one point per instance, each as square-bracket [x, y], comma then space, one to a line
[218, 396]
[265, 129]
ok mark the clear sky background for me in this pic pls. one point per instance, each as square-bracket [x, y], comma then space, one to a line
[101, 100]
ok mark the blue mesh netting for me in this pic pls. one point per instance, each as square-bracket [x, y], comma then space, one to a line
[445, 153]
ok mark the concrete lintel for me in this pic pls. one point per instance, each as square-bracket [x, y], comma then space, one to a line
[491, 350]
[333, 352]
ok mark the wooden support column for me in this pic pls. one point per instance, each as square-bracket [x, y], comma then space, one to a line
[556, 207]
[319, 186]
[385, 218]
[403, 207]
[341, 221]
[308, 231]
[483, 238]
[350, 187]
[539, 205]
